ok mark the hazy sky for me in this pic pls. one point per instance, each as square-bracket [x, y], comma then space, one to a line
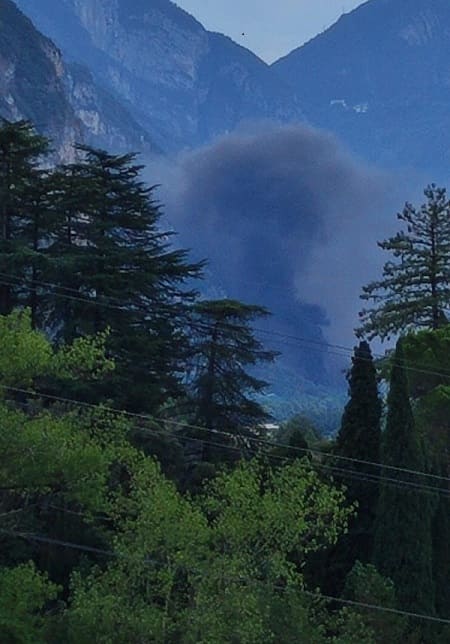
[272, 28]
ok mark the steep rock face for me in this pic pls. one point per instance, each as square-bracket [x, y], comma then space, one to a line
[380, 79]
[105, 121]
[181, 82]
[62, 101]
[32, 81]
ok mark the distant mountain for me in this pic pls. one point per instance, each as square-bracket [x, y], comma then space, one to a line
[380, 79]
[182, 83]
[62, 100]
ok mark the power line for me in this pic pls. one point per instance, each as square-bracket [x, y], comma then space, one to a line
[250, 439]
[385, 609]
[58, 542]
[17, 511]
[183, 424]
[317, 345]
[342, 473]
[315, 595]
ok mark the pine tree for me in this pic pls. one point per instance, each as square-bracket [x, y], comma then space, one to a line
[23, 211]
[225, 349]
[415, 288]
[359, 438]
[116, 269]
[403, 543]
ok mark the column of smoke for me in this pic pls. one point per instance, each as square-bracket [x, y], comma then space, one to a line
[288, 219]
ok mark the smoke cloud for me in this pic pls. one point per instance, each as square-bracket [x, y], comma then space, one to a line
[287, 219]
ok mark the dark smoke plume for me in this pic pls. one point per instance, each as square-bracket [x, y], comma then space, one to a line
[287, 219]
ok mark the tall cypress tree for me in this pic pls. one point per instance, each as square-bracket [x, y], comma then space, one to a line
[430, 389]
[441, 551]
[359, 438]
[403, 541]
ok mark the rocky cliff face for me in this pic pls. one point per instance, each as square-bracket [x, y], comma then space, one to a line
[380, 79]
[181, 82]
[62, 100]
[32, 81]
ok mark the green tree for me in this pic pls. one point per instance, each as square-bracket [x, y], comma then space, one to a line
[212, 570]
[50, 456]
[24, 594]
[403, 535]
[428, 355]
[297, 428]
[23, 209]
[415, 288]
[359, 438]
[166, 568]
[364, 584]
[224, 351]
[116, 269]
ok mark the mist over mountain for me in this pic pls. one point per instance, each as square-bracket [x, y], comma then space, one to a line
[379, 79]
[183, 84]
[62, 100]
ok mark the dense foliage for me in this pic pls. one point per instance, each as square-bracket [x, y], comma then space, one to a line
[403, 548]
[144, 496]
[357, 448]
[414, 290]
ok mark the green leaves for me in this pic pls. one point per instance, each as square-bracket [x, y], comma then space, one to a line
[414, 289]
[27, 357]
[84, 358]
[24, 593]
[25, 354]
[207, 570]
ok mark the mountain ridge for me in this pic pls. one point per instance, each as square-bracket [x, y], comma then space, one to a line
[62, 100]
[182, 83]
[378, 79]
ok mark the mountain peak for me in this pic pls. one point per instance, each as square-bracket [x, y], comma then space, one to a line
[62, 100]
[181, 82]
[379, 79]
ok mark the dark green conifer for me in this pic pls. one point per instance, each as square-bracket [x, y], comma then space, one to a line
[359, 438]
[403, 543]
[441, 553]
[118, 271]
[225, 350]
[414, 290]
[23, 212]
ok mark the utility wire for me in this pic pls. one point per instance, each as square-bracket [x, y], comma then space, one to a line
[430, 618]
[340, 471]
[57, 542]
[317, 345]
[183, 425]
[315, 595]
[249, 439]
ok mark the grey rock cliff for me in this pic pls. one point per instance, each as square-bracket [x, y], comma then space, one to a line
[182, 83]
[63, 101]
